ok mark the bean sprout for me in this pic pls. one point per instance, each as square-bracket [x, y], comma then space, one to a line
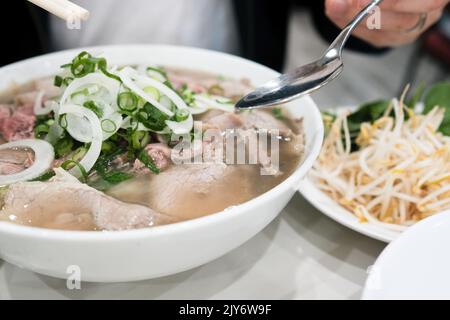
[399, 176]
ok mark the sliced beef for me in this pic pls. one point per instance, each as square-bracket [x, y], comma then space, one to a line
[19, 125]
[160, 153]
[223, 121]
[15, 160]
[189, 191]
[74, 206]
[47, 85]
[29, 97]
[260, 119]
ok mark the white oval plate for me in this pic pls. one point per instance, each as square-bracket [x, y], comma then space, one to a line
[416, 265]
[329, 207]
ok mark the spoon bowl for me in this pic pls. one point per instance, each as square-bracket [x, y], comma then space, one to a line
[293, 85]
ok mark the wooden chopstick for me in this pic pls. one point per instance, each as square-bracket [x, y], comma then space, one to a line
[63, 9]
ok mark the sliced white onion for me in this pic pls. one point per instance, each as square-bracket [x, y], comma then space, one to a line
[211, 102]
[56, 131]
[39, 108]
[93, 153]
[127, 75]
[146, 81]
[43, 159]
[199, 108]
[96, 79]
[81, 130]
[143, 69]
[166, 102]
[182, 127]
[155, 75]
[126, 124]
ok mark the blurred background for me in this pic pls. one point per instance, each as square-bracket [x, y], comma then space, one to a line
[282, 34]
[371, 77]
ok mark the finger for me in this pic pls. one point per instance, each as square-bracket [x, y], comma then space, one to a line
[397, 22]
[384, 38]
[410, 6]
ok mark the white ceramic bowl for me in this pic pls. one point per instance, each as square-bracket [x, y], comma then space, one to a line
[154, 252]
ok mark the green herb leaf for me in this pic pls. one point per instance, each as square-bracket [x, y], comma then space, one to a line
[417, 95]
[439, 95]
[116, 177]
[152, 118]
[147, 161]
[369, 112]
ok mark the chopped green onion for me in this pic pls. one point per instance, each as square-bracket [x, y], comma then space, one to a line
[103, 66]
[82, 67]
[152, 118]
[45, 176]
[226, 101]
[67, 81]
[79, 153]
[127, 101]
[103, 161]
[84, 64]
[63, 121]
[58, 81]
[69, 164]
[108, 147]
[181, 115]
[63, 146]
[108, 126]
[160, 71]
[139, 139]
[153, 92]
[41, 130]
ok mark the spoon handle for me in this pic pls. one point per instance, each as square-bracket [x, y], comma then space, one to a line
[340, 41]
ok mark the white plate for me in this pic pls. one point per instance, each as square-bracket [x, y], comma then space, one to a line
[416, 265]
[329, 207]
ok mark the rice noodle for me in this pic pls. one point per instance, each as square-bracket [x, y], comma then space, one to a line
[400, 175]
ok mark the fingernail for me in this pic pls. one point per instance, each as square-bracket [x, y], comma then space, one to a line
[339, 7]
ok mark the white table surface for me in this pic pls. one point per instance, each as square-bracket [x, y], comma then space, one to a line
[300, 255]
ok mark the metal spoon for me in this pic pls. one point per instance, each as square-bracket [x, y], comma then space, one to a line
[309, 77]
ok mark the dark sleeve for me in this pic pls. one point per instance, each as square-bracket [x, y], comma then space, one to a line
[263, 27]
[329, 31]
[24, 32]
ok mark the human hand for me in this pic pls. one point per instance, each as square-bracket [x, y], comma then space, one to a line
[402, 21]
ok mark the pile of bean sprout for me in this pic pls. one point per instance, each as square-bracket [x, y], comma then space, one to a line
[399, 176]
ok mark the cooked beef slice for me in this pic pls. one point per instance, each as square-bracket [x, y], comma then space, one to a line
[72, 205]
